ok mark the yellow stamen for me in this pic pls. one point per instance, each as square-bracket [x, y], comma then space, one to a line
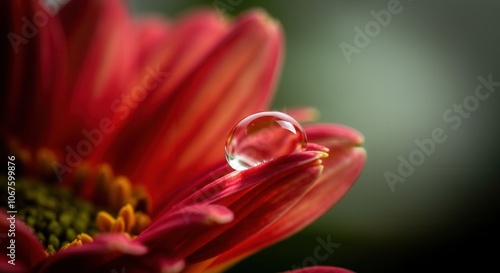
[119, 225]
[64, 247]
[128, 221]
[121, 192]
[105, 177]
[82, 172]
[80, 240]
[115, 192]
[142, 221]
[85, 238]
[127, 214]
[104, 221]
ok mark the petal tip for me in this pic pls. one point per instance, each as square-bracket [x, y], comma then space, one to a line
[323, 154]
[360, 151]
[360, 140]
[261, 17]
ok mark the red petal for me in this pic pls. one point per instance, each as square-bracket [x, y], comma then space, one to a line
[190, 187]
[189, 43]
[258, 209]
[235, 81]
[233, 185]
[218, 94]
[153, 34]
[263, 193]
[192, 40]
[102, 57]
[35, 57]
[342, 168]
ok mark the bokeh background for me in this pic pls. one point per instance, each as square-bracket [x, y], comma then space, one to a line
[444, 216]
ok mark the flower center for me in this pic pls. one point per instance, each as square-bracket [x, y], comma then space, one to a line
[63, 217]
[54, 213]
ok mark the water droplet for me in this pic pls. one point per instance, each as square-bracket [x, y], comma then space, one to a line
[262, 137]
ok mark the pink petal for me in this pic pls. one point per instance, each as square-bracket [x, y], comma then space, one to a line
[199, 215]
[92, 256]
[321, 269]
[334, 136]
[172, 266]
[303, 114]
[24, 239]
[155, 262]
[17, 268]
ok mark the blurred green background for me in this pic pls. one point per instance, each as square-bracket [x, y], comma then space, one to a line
[396, 90]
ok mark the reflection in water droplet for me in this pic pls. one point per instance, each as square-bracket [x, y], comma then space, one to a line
[262, 137]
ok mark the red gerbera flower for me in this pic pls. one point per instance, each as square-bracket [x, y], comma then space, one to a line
[114, 130]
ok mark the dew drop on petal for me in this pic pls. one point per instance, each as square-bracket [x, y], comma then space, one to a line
[262, 137]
